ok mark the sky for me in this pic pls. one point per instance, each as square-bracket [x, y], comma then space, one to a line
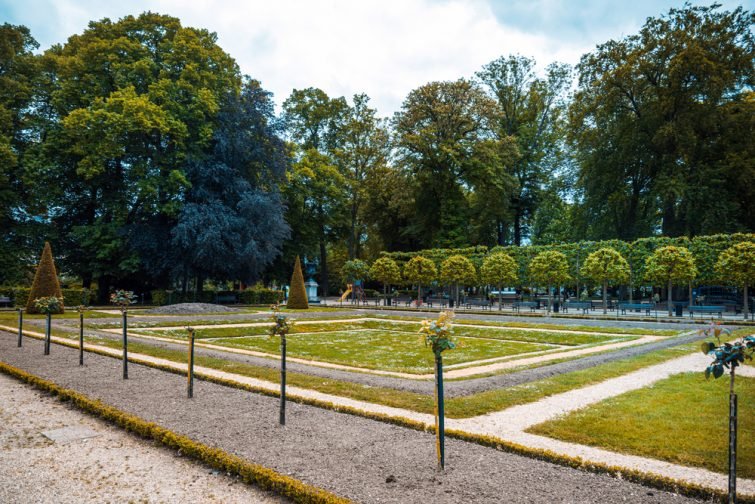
[384, 48]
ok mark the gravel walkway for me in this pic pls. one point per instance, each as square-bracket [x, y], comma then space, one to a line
[111, 467]
[361, 459]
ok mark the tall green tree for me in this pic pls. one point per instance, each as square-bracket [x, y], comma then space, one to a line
[549, 269]
[458, 270]
[736, 265]
[386, 271]
[606, 267]
[420, 271]
[530, 109]
[499, 269]
[652, 126]
[668, 266]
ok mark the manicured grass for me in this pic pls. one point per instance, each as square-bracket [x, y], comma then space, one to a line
[683, 419]
[376, 349]
[12, 316]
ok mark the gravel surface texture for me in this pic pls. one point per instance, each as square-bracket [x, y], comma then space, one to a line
[358, 458]
[190, 308]
[111, 467]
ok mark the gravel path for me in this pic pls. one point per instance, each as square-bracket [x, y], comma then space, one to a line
[111, 467]
[351, 456]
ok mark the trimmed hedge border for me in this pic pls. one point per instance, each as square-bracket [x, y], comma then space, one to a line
[644, 478]
[249, 472]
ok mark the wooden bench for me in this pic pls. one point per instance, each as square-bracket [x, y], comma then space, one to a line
[5, 300]
[636, 307]
[226, 298]
[405, 300]
[482, 303]
[440, 302]
[532, 305]
[706, 309]
[585, 306]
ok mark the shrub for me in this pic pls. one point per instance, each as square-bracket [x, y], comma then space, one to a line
[45, 283]
[258, 294]
[297, 295]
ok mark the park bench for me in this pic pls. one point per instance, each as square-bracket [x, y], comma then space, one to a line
[5, 300]
[532, 305]
[402, 300]
[585, 306]
[635, 307]
[226, 299]
[477, 302]
[440, 302]
[706, 309]
[374, 300]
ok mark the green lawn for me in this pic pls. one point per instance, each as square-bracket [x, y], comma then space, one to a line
[683, 419]
[376, 349]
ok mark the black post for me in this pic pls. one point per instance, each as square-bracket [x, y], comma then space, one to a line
[190, 386]
[439, 413]
[20, 327]
[125, 345]
[81, 338]
[732, 448]
[283, 381]
[47, 333]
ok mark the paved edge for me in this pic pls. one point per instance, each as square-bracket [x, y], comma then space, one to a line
[657, 481]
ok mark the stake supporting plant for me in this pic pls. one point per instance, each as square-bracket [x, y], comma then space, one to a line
[281, 327]
[438, 334]
[81, 335]
[20, 327]
[48, 306]
[190, 375]
[123, 299]
[728, 355]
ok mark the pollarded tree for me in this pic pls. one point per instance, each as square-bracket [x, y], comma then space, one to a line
[386, 271]
[499, 269]
[420, 270]
[353, 271]
[458, 270]
[668, 266]
[549, 268]
[736, 265]
[606, 267]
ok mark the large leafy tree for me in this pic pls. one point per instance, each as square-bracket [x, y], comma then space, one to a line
[530, 109]
[499, 269]
[549, 269]
[440, 130]
[736, 265]
[606, 267]
[668, 266]
[653, 126]
[129, 101]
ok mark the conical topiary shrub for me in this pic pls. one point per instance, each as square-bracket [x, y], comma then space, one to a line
[297, 294]
[46, 282]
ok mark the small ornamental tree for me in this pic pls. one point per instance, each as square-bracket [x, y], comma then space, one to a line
[386, 271]
[420, 270]
[297, 294]
[438, 335]
[123, 299]
[48, 305]
[353, 271]
[606, 267]
[668, 266]
[736, 265]
[281, 327]
[550, 269]
[499, 269]
[45, 282]
[457, 270]
[728, 355]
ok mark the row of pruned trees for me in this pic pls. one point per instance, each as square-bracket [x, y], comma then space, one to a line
[665, 267]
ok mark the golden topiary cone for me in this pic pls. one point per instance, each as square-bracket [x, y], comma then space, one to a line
[46, 282]
[297, 294]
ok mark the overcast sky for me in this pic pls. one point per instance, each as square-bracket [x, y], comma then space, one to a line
[384, 48]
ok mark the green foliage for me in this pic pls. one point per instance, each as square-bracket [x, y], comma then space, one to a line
[47, 305]
[606, 267]
[282, 325]
[386, 271]
[499, 269]
[71, 297]
[458, 270]
[549, 269]
[259, 294]
[297, 294]
[728, 354]
[45, 283]
[670, 265]
[354, 270]
[123, 299]
[420, 270]
[438, 334]
[736, 264]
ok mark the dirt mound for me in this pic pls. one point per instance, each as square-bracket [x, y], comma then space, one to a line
[190, 308]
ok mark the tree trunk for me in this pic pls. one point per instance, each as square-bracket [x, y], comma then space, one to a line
[323, 265]
[605, 298]
[669, 300]
[690, 294]
[517, 228]
[746, 308]
[500, 298]
[419, 295]
[549, 300]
